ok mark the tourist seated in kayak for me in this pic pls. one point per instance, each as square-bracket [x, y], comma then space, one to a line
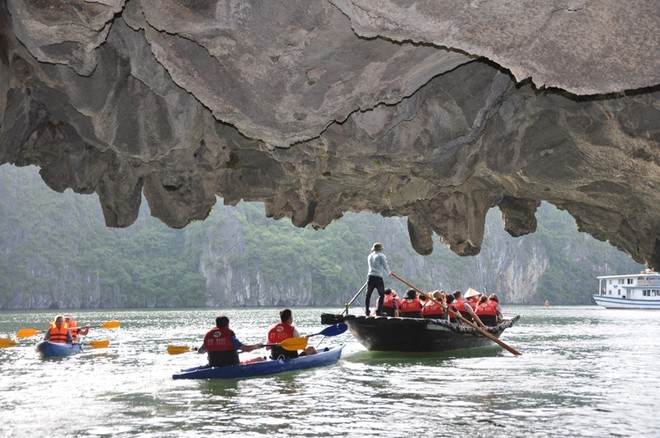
[435, 308]
[285, 330]
[410, 306]
[390, 303]
[489, 310]
[57, 332]
[221, 345]
[465, 309]
[76, 332]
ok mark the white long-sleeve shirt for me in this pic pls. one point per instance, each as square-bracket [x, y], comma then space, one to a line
[378, 264]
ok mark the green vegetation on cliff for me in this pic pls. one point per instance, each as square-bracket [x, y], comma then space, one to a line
[55, 251]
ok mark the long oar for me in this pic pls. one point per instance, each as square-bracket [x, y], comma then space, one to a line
[459, 316]
[345, 312]
[29, 332]
[5, 343]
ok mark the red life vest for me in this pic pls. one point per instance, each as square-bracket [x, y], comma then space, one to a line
[487, 308]
[280, 332]
[408, 306]
[432, 308]
[219, 339]
[473, 302]
[57, 335]
[389, 301]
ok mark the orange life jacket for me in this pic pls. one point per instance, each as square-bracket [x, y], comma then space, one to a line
[58, 335]
[280, 332]
[389, 301]
[432, 308]
[219, 339]
[410, 306]
[73, 327]
[487, 308]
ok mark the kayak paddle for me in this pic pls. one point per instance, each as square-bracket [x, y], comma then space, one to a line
[29, 332]
[5, 342]
[99, 344]
[333, 330]
[291, 344]
[179, 349]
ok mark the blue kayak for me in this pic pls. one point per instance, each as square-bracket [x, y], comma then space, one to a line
[52, 349]
[324, 357]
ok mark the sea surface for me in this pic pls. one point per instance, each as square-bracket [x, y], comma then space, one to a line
[584, 372]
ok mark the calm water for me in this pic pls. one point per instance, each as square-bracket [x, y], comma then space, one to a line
[584, 372]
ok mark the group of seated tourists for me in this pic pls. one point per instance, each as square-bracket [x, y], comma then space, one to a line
[474, 306]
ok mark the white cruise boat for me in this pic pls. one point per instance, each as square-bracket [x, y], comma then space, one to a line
[632, 291]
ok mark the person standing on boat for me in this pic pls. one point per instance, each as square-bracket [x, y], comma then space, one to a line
[378, 268]
[221, 345]
[58, 332]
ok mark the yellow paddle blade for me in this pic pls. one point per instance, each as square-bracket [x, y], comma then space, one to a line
[293, 344]
[4, 343]
[99, 344]
[27, 332]
[111, 324]
[178, 349]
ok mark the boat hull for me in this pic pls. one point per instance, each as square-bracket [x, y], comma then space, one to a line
[320, 359]
[48, 349]
[415, 334]
[625, 303]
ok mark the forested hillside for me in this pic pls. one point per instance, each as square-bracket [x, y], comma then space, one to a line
[55, 251]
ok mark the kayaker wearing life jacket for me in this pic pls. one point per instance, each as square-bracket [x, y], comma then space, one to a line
[72, 325]
[281, 331]
[391, 303]
[57, 332]
[284, 330]
[410, 307]
[489, 310]
[221, 344]
[435, 308]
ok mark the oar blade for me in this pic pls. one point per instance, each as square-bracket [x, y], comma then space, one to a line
[293, 344]
[178, 349]
[99, 344]
[6, 343]
[334, 330]
[27, 333]
[111, 324]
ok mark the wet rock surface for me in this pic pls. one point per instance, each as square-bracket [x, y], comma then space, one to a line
[428, 110]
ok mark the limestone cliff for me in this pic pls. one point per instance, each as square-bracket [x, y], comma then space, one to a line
[435, 111]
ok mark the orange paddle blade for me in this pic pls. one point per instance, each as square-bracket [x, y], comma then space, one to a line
[27, 332]
[178, 349]
[111, 324]
[293, 344]
[99, 344]
[4, 343]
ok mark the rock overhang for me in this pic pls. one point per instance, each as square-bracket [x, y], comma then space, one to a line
[428, 110]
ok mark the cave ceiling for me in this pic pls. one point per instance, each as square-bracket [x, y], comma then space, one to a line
[433, 110]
